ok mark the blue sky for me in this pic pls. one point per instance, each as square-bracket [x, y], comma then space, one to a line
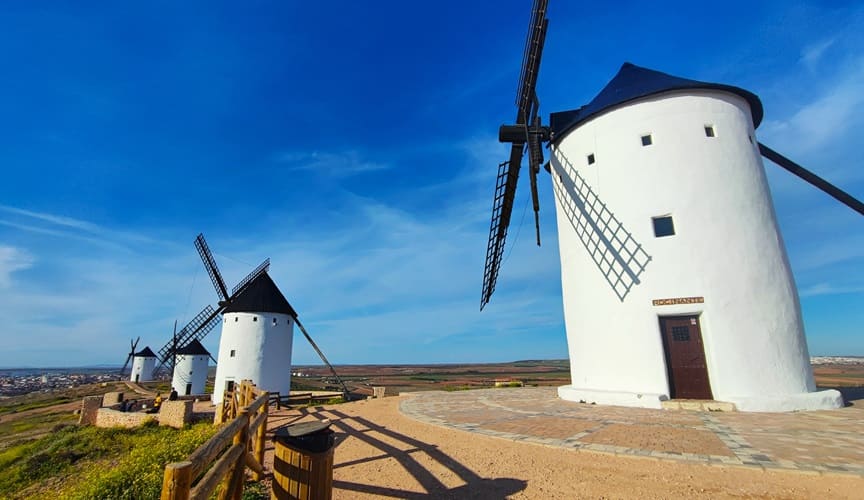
[354, 143]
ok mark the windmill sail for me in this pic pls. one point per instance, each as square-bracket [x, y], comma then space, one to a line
[526, 130]
[197, 329]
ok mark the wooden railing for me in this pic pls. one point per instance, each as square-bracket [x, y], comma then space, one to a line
[223, 459]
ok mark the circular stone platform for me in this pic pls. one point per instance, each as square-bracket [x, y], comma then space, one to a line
[829, 441]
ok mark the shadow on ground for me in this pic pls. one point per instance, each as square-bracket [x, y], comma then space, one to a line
[852, 396]
[365, 430]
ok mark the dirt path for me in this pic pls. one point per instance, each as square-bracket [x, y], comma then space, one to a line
[381, 453]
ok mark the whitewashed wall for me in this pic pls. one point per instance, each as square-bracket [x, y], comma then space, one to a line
[190, 369]
[142, 368]
[727, 249]
[262, 345]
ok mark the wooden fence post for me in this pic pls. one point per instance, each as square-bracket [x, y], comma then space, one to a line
[261, 435]
[177, 481]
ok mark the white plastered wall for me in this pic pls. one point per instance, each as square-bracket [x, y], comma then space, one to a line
[190, 369]
[261, 345]
[142, 368]
[727, 249]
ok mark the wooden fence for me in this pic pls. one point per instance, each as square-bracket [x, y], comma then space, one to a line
[224, 458]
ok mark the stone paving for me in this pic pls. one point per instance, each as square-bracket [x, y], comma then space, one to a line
[814, 442]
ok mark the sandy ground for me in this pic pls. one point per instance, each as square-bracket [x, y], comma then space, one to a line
[381, 453]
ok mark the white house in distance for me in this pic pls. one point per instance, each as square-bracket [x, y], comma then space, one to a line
[190, 369]
[143, 364]
[256, 341]
[675, 279]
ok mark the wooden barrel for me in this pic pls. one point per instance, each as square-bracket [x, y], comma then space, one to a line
[302, 474]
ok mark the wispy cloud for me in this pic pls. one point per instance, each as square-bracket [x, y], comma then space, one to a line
[12, 259]
[57, 220]
[812, 54]
[829, 289]
[341, 164]
[828, 117]
[70, 228]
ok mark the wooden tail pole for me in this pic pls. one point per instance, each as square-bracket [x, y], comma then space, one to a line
[832, 190]
[345, 390]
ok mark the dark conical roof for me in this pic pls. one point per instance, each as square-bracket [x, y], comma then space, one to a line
[193, 348]
[145, 353]
[634, 82]
[261, 295]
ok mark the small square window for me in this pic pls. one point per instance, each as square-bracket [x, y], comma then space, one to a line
[233, 352]
[274, 321]
[663, 226]
[236, 319]
[709, 131]
[591, 159]
[646, 140]
[254, 318]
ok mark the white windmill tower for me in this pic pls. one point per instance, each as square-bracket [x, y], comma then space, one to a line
[257, 330]
[674, 275]
[256, 341]
[190, 369]
[143, 363]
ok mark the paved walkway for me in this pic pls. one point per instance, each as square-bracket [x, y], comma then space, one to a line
[815, 442]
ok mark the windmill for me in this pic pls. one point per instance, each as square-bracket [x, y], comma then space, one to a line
[132, 346]
[272, 355]
[206, 320]
[681, 245]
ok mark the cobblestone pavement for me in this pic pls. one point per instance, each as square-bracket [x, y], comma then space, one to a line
[815, 442]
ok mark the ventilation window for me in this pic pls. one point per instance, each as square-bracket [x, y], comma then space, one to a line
[254, 318]
[709, 131]
[591, 159]
[663, 226]
[646, 140]
[236, 319]
[274, 321]
[233, 352]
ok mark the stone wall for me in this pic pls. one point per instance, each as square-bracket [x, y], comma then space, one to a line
[106, 417]
[175, 413]
[112, 398]
[89, 408]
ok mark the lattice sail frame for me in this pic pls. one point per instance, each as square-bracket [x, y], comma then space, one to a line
[508, 172]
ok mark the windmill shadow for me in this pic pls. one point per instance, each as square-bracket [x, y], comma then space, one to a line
[619, 257]
[366, 431]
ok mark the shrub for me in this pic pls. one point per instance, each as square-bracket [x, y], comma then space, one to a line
[138, 473]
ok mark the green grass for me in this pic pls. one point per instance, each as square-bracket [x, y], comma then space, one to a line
[37, 423]
[20, 405]
[91, 462]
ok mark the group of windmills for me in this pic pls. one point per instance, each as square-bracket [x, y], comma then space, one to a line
[255, 344]
[676, 283]
[675, 278]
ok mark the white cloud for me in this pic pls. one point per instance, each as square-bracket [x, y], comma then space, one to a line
[829, 289]
[343, 164]
[57, 220]
[812, 54]
[12, 259]
[828, 117]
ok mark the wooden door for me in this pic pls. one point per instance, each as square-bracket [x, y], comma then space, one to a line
[685, 358]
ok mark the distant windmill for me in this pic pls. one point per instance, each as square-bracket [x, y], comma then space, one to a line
[683, 190]
[133, 344]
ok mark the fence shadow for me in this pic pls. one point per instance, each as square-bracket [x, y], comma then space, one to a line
[619, 257]
[366, 431]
